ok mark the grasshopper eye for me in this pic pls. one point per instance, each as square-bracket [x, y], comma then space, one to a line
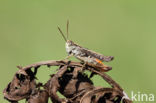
[70, 52]
[69, 42]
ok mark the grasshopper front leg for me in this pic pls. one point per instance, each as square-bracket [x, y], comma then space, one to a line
[67, 57]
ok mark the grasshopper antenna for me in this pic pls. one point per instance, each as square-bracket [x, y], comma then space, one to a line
[67, 28]
[62, 34]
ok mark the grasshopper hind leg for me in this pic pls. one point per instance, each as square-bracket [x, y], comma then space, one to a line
[83, 66]
[79, 69]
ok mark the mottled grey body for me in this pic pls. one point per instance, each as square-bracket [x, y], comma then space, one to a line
[88, 55]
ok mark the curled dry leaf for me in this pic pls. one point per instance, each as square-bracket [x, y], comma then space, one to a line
[70, 80]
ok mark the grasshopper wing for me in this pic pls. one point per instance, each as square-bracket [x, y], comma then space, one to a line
[97, 55]
[89, 53]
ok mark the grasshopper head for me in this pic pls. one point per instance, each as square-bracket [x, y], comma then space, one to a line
[69, 42]
[69, 46]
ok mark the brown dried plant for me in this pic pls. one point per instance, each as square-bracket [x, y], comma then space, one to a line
[70, 80]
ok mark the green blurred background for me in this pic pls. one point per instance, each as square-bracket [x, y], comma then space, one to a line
[125, 29]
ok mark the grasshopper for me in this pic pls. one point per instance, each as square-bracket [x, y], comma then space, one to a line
[85, 55]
